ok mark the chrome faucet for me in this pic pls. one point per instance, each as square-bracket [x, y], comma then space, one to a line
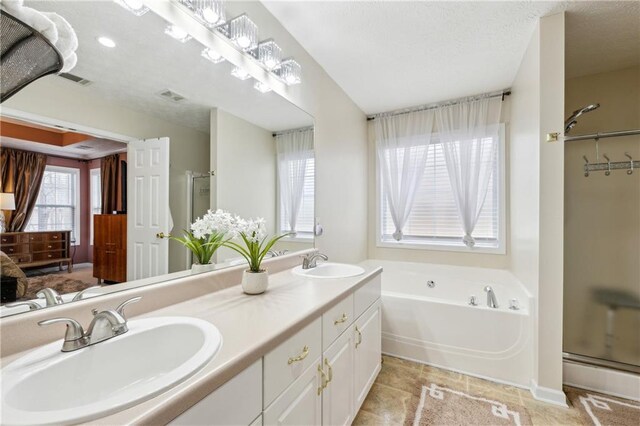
[310, 261]
[492, 302]
[105, 325]
[81, 294]
[50, 296]
[276, 253]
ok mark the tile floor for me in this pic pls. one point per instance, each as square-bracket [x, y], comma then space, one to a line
[397, 389]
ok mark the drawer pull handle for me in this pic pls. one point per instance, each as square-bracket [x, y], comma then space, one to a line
[323, 379]
[326, 362]
[55, 237]
[49, 256]
[359, 337]
[303, 355]
[341, 320]
[49, 246]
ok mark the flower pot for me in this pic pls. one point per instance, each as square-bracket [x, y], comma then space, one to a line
[255, 282]
[198, 268]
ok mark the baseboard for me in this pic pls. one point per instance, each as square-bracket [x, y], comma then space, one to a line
[603, 380]
[548, 395]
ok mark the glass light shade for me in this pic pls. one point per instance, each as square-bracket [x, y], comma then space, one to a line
[240, 73]
[7, 201]
[212, 55]
[261, 87]
[270, 54]
[243, 32]
[210, 12]
[134, 6]
[177, 33]
[290, 71]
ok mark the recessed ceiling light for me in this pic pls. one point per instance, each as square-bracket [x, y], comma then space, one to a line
[178, 33]
[106, 42]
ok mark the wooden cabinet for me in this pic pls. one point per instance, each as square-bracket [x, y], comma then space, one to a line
[110, 247]
[40, 248]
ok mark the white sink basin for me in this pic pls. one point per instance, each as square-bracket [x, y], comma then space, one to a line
[47, 386]
[329, 270]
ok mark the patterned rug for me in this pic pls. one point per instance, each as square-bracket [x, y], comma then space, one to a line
[58, 282]
[440, 405]
[601, 410]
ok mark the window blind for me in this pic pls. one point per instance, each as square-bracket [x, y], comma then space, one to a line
[306, 217]
[434, 216]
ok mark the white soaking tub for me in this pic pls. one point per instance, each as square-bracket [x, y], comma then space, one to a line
[434, 324]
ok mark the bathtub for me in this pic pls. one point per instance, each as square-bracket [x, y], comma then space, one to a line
[434, 324]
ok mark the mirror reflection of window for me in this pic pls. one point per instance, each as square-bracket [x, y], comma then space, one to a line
[57, 207]
[96, 197]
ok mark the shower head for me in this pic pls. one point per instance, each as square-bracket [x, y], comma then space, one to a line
[571, 121]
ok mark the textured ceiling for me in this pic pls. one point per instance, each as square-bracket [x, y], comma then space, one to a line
[390, 55]
[145, 61]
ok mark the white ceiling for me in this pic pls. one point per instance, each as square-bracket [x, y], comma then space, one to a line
[391, 55]
[146, 61]
[85, 150]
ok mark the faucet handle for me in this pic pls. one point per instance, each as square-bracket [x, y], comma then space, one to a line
[120, 308]
[80, 294]
[30, 303]
[74, 329]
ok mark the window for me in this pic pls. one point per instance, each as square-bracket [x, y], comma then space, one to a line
[58, 205]
[434, 220]
[306, 216]
[96, 197]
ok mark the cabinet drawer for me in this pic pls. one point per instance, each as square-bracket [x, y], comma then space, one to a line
[221, 407]
[367, 294]
[16, 248]
[46, 236]
[14, 239]
[47, 246]
[336, 320]
[21, 258]
[287, 362]
[48, 255]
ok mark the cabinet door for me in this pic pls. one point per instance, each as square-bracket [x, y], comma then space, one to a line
[337, 396]
[367, 352]
[301, 403]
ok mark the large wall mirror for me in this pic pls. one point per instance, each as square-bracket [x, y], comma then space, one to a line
[139, 140]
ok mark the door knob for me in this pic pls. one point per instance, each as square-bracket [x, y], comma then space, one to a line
[160, 235]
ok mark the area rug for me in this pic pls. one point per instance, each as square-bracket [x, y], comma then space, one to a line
[440, 405]
[59, 282]
[602, 410]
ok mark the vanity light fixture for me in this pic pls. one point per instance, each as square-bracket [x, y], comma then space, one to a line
[210, 12]
[269, 53]
[211, 55]
[261, 87]
[242, 31]
[240, 73]
[136, 7]
[290, 71]
[106, 42]
[177, 33]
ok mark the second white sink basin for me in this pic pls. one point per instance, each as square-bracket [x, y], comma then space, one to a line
[48, 386]
[330, 270]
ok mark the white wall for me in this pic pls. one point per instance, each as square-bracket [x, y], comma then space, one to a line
[536, 195]
[59, 99]
[243, 156]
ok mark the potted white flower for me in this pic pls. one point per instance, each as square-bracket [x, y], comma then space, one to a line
[253, 246]
[207, 234]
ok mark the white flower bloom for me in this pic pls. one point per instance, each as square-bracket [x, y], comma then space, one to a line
[253, 229]
[218, 222]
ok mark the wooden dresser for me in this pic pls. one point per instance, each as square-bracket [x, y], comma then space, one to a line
[40, 248]
[110, 247]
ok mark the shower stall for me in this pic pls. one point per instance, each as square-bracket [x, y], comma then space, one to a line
[602, 236]
[198, 192]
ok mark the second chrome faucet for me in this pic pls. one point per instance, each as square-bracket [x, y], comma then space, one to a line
[105, 325]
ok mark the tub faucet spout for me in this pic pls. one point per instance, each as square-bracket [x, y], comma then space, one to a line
[492, 302]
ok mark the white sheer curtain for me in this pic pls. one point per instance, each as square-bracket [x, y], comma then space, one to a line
[402, 143]
[294, 149]
[468, 132]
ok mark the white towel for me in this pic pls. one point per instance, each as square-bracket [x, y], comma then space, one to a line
[33, 18]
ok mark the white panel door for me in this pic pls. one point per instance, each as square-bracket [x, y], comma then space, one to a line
[367, 352]
[300, 404]
[147, 208]
[337, 396]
